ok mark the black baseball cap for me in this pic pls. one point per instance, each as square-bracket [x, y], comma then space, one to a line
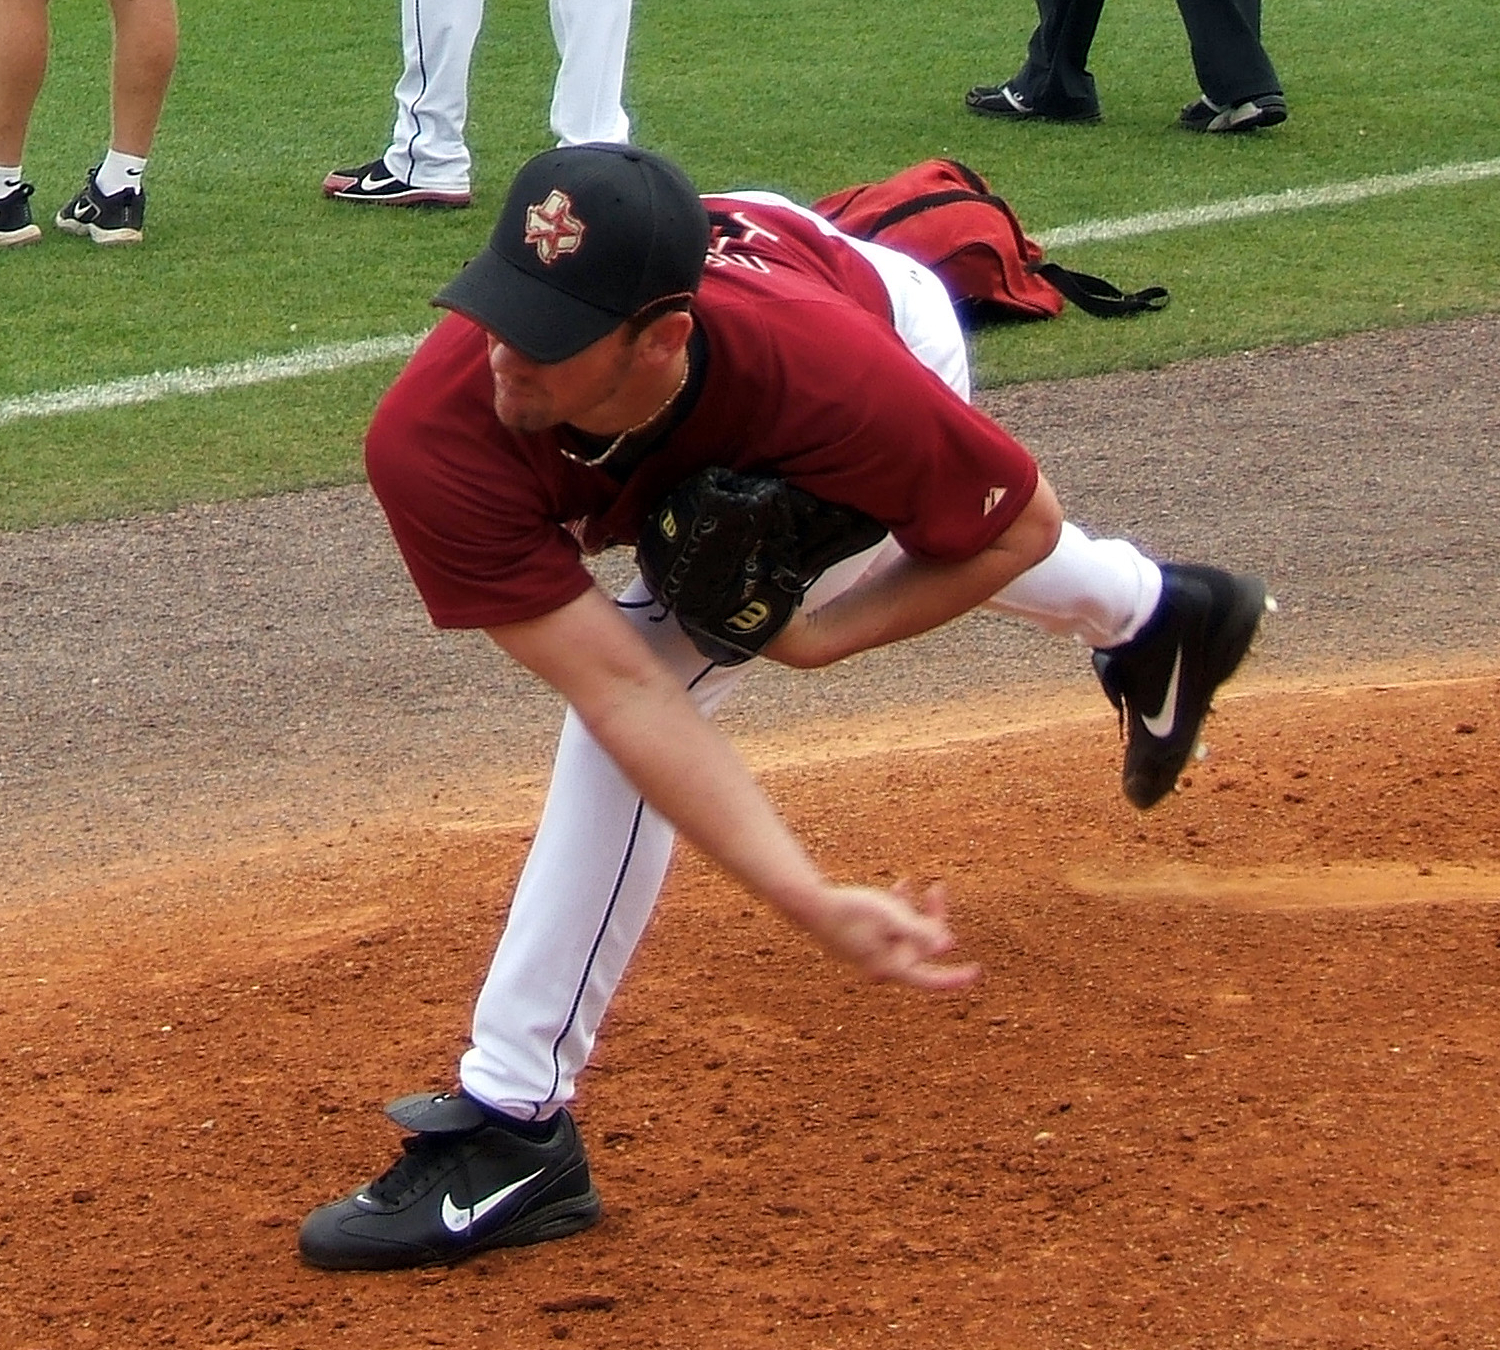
[590, 235]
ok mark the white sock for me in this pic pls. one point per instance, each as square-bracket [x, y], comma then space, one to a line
[1100, 591]
[119, 172]
[10, 178]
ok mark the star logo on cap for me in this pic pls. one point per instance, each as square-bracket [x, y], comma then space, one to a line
[552, 228]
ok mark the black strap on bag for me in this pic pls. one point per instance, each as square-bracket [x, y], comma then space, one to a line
[1098, 297]
[1091, 294]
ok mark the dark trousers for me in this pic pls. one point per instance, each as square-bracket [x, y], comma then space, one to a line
[1223, 37]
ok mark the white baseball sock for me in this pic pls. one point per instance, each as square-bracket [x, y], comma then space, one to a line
[119, 172]
[1100, 591]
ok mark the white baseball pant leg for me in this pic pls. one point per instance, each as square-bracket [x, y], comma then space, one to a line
[591, 38]
[432, 96]
[600, 855]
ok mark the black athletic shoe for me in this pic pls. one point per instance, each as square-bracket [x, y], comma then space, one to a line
[16, 225]
[1163, 680]
[375, 184]
[1000, 100]
[116, 219]
[1264, 110]
[463, 1185]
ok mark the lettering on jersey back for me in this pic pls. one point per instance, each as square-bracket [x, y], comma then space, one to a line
[732, 241]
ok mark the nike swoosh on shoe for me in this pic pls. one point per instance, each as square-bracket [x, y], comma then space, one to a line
[462, 1218]
[1164, 722]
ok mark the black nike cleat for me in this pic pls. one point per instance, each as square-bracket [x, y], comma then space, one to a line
[1002, 100]
[16, 224]
[114, 219]
[1163, 680]
[463, 1185]
[1203, 114]
[375, 185]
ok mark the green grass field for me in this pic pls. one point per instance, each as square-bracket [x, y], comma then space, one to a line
[243, 257]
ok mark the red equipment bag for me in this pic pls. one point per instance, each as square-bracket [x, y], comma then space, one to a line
[944, 215]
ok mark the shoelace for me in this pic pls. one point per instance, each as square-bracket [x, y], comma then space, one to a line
[1104, 669]
[422, 1155]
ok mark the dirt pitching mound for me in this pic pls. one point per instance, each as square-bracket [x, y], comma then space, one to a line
[1230, 1078]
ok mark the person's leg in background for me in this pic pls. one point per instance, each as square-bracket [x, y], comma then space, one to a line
[23, 66]
[1054, 83]
[591, 37]
[432, 97]
[427, 162]
[1241, 90]
[111, 208]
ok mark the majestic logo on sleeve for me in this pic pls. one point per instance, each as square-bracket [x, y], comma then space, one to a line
[552, 228]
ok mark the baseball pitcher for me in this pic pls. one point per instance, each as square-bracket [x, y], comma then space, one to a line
[777, 417]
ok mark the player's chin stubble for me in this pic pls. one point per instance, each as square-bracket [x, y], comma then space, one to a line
[518, 412]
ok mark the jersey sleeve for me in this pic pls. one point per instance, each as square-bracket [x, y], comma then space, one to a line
[474, 526]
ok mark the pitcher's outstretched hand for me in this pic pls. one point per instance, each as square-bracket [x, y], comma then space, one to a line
[887, 936]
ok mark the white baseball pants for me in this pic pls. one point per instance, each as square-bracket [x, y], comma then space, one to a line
[432, 96]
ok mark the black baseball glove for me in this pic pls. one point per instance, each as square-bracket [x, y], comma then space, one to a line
[732, 555]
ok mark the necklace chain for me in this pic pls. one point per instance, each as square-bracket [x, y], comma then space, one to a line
[593, 461]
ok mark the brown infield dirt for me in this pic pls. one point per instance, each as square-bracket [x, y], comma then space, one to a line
[1229, 1079]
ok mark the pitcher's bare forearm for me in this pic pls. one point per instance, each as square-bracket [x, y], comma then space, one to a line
[688, 771]
[910, 596]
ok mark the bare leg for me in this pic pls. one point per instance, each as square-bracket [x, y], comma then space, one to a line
[145, 56]
[23, 63]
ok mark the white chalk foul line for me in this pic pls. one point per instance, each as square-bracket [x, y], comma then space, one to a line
[318, 360]
[208, 379]
[1293, 199]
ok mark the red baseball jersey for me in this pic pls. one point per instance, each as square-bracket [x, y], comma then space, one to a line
[799, 372]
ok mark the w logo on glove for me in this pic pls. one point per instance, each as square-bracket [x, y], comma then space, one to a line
[731, 556]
